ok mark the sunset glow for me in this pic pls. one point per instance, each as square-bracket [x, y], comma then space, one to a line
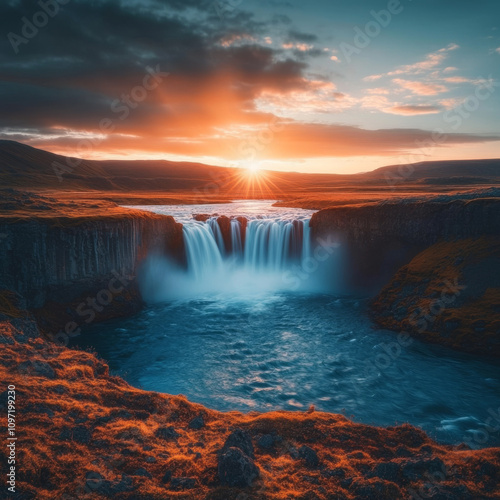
[259, 83]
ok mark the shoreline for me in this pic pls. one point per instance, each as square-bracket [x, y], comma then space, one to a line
[108, 438]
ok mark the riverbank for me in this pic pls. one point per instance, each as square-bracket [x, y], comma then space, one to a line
[449, 294]
[84, 434]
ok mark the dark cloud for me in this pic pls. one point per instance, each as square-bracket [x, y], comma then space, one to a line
[297, 36]
[91, 53]
[64, 81]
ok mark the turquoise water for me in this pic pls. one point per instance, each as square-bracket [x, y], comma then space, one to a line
[233, 332]
[288, 351]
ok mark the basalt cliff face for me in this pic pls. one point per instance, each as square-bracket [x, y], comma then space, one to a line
[380, 238]
[53, 255]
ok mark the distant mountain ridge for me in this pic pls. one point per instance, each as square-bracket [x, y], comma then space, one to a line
[25, 167]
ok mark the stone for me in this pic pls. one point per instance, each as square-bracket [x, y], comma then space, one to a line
[37, 368]
[240, 439]
[182, 483]
[390, 471]
[124, 485]
[266, 441]
[142, 472]
[415, 469]
[197, 423]
[309, 456]
[237, 469]
[167, 433]
[82, 435]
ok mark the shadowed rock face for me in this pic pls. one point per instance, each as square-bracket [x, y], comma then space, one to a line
[73, 263]
[380, 238]
[43, 260]
[448, 294]
[59, 251]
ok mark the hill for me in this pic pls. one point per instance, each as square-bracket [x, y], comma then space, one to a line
[25, 167]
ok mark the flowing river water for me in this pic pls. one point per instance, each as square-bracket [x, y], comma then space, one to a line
[260, 323]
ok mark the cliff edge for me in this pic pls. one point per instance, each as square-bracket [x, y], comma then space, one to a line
[448, 294]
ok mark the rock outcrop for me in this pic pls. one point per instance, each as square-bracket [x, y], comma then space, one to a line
[380, 238]
[59, 254]
[449, 294]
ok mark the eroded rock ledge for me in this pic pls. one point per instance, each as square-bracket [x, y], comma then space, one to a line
[380, 238]
[85, 434]
[448, 294]
[58, 255]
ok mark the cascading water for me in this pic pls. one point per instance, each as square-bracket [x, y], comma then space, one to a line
[203, 243]
[266, 245]
[246, 249]
[236, 241]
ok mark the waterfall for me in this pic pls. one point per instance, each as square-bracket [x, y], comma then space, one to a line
[268, 245]
[236, 241]
[217, 234]
[203, 251]
[243, 258]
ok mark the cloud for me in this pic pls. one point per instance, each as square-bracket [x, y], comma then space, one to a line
[294, 141]
[315, 97]
[302, 47]
[420, 88]
[234, 39]
[377, 91]
[418, 109]
[380, 102]
[228, 79]
[431, 61]
[298, 36]
[497, 50]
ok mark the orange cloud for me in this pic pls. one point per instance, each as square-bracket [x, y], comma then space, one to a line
[419, 109]
[420, 88]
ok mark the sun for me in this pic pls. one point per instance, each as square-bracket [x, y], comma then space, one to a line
[253, 168]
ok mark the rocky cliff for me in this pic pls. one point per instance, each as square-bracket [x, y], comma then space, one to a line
[380, 238]
[61, 253]
[449, 294]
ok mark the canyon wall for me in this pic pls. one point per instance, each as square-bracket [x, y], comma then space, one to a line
[58, 259]
[380, 238]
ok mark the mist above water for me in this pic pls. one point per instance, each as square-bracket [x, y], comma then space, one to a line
[271, 251]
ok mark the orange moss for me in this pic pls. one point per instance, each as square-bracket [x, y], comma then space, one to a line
[448, 294]
[75, 423]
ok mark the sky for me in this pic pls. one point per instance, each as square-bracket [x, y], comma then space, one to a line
[320, 86]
